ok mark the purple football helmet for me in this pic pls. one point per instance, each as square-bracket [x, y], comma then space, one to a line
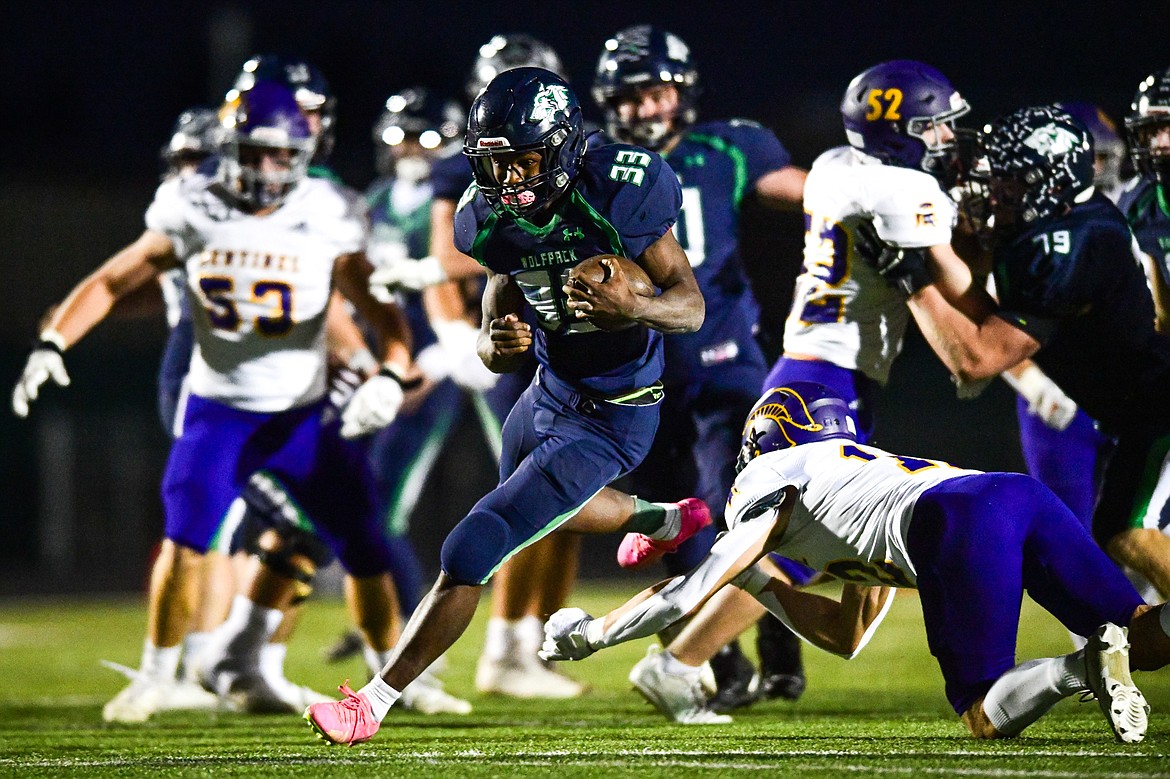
[799, 413]
[888, 109]
[264, 121]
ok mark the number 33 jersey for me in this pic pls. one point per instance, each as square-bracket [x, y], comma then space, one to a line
[853, 507]
[843, 312]
[259, 287]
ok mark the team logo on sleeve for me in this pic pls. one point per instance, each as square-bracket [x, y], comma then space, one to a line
[549, 100]
[925, 215]
[1051, 140]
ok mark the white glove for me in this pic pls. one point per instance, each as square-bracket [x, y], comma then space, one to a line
[433, 362]
[458, 339]
[1045, 399]
[373, 406]
[564, 636]
[44, 363]
[412, 275]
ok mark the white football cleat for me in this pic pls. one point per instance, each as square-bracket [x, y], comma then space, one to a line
[136, 702]
[679, 696]
[1107, 666]
[427, 696]
[521, 676]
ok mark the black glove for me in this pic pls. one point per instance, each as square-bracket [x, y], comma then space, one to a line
[903, 269]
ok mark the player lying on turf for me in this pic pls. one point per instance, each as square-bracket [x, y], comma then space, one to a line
[970, 542]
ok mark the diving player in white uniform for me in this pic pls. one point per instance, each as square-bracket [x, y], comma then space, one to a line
[969, 542]
[263, 249]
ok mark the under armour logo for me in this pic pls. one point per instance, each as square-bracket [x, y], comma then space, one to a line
[574, 233]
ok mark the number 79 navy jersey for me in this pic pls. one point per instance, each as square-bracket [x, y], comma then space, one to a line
[624, 200]
[1074, 283]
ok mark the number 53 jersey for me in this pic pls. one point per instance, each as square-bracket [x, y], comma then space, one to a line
[853, 507]
[259, 287]
[843, 312]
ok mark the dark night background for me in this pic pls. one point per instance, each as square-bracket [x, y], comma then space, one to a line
[91, 90]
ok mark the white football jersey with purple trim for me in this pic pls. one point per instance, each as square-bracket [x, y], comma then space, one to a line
[259, 287]
[843, 312]
[853, 507]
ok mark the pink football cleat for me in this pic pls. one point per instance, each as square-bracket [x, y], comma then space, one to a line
[349, 721]
[637, 550]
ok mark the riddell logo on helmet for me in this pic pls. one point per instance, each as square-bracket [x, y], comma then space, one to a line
[492, 143]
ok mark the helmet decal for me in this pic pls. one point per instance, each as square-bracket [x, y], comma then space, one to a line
[549, 100]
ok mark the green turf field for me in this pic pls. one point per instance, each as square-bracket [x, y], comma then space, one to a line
[882, 714]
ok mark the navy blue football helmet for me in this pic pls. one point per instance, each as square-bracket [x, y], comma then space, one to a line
[194, 138]
[522, 110]
[1108, 147]
[308, 85]
[888, 108]
[798, 413]
[1045, 150]
[417, 115]
[266, 117]
[1148, 115]
[639, 57]
[511, 50]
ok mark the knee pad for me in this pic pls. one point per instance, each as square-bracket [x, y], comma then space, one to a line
[476, 547]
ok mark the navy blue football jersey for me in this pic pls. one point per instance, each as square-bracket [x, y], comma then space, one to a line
[1147, 209]
[1074, 284]
[624, 199]
[450, 175]
[717, 164]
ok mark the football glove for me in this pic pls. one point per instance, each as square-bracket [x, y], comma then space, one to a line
[458, 339]
[903, 269]
[1045, 398]
[374, 404]
[564, 636]
[46, 361]
[408, 274]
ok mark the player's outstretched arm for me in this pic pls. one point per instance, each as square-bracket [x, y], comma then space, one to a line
[91, 300]
[842, 627]
[680, 307]
[571, 634]
[351, 275]
[782, 188]
[85, 306]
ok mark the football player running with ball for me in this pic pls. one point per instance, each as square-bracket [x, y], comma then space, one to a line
[540, 205]
[970, 542]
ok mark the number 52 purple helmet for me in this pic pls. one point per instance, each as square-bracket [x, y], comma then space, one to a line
[888, 108]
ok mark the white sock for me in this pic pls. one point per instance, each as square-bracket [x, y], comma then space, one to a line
[272, 660]
[193, 644]
[671, 525]
[160, 662]
[500, 638]
[1023, 694]
[248, 627]
[672, 665]
[381, 696]
[375, 660]
[529, 633]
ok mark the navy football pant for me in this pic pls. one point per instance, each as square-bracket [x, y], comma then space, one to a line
[559, 450]
[977, 543]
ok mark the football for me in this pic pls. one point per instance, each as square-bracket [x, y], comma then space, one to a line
[599, 272]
